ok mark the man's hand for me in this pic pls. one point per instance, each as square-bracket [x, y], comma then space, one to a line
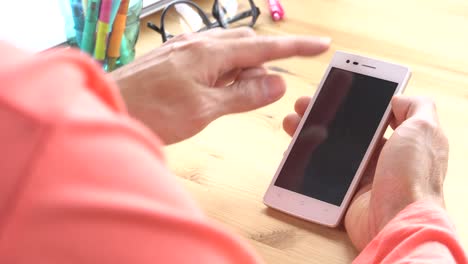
[408, 167]
[182, 86]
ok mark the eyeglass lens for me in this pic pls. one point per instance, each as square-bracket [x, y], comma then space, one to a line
[233, 12]
[184, 18]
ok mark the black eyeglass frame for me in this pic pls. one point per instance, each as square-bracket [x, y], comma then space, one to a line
[216, 11]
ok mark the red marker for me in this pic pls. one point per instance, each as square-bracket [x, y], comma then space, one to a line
[276, 10]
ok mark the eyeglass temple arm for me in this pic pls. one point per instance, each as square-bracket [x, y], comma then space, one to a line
[215, 24]
[235, 18]
[154, 27]
[241, 16]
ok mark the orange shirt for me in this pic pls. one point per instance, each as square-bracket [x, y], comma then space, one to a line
[81, 182]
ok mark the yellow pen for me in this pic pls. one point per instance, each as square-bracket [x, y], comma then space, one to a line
[102, 30]
[118, 29]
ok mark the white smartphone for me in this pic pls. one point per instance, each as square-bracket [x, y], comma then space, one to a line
[336, 137]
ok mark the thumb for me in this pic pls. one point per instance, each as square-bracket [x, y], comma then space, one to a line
[400, 107]
[405, 107]
[250, 93]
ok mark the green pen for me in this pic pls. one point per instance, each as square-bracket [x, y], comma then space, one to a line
[126, 54]
[127, 48]
[88, 38]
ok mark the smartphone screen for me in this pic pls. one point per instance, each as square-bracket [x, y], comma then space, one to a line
[336, 135]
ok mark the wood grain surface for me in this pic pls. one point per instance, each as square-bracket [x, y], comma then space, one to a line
[228, 166]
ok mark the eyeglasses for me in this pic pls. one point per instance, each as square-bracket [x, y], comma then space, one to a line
[184, 16]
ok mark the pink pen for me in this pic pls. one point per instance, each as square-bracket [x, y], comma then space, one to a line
[276, 10]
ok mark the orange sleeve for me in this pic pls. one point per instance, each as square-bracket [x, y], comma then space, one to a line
[81, 182]
[421, 233]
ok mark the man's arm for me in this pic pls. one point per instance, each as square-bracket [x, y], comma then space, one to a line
[422, 233]
[93, 188]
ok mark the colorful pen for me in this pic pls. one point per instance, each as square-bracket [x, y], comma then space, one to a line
[87, 42]
[102, 30]
[276, 10]
[115, 9]
[85, 6]
[126, 54]
[118, 29]
[78, 19]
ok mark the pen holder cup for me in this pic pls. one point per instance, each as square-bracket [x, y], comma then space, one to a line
[112, 44]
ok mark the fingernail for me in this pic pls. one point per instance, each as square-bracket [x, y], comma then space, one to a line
[326, 41]
[273, 87]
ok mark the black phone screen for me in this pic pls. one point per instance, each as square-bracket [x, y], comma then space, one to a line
[336, 135]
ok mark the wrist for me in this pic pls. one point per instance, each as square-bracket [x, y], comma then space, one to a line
[391, 210]
[121, 77]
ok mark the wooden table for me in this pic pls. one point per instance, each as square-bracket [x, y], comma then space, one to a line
[228, 166]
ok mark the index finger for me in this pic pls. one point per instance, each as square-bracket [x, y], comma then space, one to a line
[249, 52]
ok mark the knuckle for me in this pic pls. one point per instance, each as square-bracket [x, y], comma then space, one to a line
[212, 30]
[193, 45]
[443, 140]
[170, 62]
[446, 147]
[264, 40]
[247, 32]
[424, 124]
[180, 38]
[428, 101]
[185, 37]
[198, 44]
